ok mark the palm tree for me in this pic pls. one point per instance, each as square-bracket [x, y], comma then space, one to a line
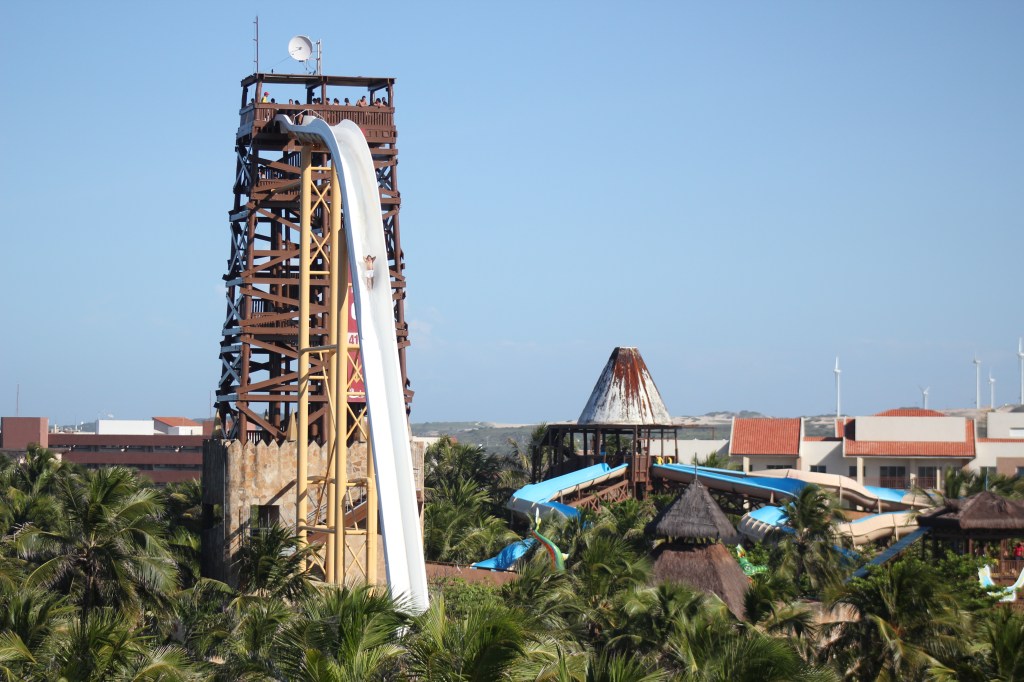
[202, 619]
[274, 563]
[26, 490]
[751, 656]
[628, 519]
[623, 668]
[458, 525]
[811, 547]
[183, 502]
[1003, 646]
[249, 652]
[529, 459]
[448, 462]
[103, 646]
[907, 621]
[648, 615]
[107, 547]
[966, 482]
[343, 634]
[602, 565]
[550, 598]
[28, 618]
[490, 643]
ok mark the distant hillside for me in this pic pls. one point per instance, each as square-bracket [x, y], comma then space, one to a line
[493, 437]
[709, 426]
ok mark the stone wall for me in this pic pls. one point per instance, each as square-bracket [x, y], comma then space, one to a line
[240, 476]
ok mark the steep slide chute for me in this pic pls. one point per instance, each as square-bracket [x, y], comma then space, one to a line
[385, 394]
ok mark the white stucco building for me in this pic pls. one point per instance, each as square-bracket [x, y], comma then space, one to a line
[895, 449]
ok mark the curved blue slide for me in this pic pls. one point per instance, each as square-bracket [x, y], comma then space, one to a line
[539, 498]
[787, 483]
[780, 485]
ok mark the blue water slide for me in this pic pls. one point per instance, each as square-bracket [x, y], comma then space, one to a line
[505, 559]
[539, 498]
[787, 483]
[784, 485]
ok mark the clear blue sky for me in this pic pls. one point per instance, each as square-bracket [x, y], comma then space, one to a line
[742, 190]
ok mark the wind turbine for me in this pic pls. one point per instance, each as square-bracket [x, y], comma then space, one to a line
[992, 390]
[1020, 356]
[977, 383]
[924, 396]
[837, 373]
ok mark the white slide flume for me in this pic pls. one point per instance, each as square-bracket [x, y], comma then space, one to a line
[385, 393]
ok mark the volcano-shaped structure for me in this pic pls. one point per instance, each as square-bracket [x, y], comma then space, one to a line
[625, 394]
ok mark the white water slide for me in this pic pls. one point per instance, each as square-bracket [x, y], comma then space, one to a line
[385, 397]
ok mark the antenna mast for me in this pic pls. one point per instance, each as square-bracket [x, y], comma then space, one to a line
[256, 40]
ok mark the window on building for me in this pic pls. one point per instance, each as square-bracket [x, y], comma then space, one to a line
[818, 469]
[778, 466]
[853, 471]
[263, 516]
[1020, 471]
[893, 477]
[927, 477]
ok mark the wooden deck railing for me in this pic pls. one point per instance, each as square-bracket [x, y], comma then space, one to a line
[254, 117]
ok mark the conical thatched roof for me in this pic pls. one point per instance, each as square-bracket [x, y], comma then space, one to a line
[625, 394]
[694, 515]
[709, 568]
[984, 511]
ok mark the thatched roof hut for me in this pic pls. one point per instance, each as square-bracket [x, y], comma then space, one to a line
[694, 515]
[709, 568]
[981, 514]
[693, 523]
[984, 520]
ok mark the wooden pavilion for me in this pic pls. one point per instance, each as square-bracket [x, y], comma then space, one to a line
[624, 420]
[978, 524]
[694, 528]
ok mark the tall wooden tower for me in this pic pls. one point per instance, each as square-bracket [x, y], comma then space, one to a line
[259, 385]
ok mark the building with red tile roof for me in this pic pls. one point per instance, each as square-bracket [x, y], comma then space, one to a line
[766, 436]
[894, 448]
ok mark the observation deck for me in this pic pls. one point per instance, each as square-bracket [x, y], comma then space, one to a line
[315, 94]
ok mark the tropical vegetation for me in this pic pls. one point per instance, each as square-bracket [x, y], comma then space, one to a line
[100, 580]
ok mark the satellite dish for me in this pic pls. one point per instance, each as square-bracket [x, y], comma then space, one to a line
[300, 48]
